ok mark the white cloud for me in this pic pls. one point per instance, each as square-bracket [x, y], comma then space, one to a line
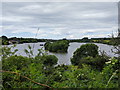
[15, 18]
[59, 0]
[21, 29]
[70, 36]
[98, 36]
[43, 8]
[95, 15]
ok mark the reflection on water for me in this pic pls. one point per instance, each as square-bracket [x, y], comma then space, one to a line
[63, 58]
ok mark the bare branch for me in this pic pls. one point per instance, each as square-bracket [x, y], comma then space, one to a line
[26, 78]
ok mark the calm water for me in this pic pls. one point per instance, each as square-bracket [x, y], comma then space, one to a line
[63, 58]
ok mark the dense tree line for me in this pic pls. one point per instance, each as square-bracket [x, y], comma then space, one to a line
[5, 40]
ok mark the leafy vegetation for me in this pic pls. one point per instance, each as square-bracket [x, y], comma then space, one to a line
[58, 46]
[4, 40]
[49, 60]
[86, 50]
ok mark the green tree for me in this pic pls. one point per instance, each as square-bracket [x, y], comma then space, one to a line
[84, 51]
[4, 40]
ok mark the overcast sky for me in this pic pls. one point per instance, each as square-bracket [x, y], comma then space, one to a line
[59, 20]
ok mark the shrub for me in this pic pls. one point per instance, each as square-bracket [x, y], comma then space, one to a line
[15, 62]
[49, 60]
[84, 51]
[97, 62]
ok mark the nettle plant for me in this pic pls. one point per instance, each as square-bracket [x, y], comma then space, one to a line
[6, 51]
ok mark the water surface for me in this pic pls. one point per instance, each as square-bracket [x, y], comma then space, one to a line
[63, 58]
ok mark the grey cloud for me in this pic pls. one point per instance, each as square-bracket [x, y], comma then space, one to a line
[65, 19]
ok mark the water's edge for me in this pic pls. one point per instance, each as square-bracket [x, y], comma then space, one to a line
[63, 58]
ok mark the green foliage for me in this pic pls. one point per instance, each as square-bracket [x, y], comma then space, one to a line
[4, 40]
[58, 46]
[29, 52]
[86, 77]
[85, 50]
[6, 51]
[49, 60]
[47, 45]
[15, 62]
[97, 62]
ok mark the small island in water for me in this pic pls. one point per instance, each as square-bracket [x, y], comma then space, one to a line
[58, 46]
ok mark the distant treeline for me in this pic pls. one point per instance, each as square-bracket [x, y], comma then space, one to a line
[13, 40]
[94, 40]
